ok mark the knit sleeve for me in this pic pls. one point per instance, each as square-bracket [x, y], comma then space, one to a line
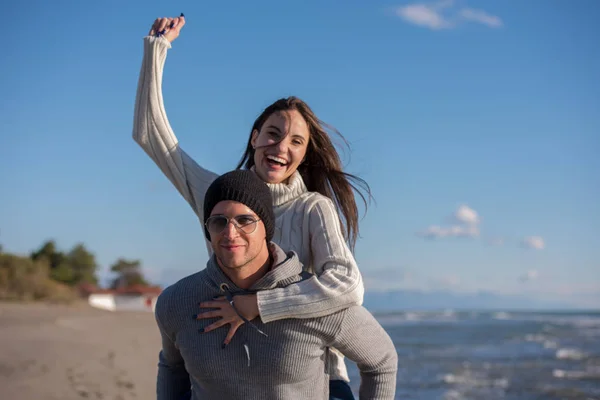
[337, 283]
[363, 340]
[152, 131]
[173, 380]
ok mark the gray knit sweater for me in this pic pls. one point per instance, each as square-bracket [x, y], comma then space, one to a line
[289, 363]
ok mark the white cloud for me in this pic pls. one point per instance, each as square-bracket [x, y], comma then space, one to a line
[481, 17]
[466, 215]
[436, 231]
[533, 242]
[465, 224]
[429, 16]
[530, 275]
[444, 15]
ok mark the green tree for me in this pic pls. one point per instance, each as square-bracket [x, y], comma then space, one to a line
[77, 266]
[129, 272]
[50, 254]
[62, 273]
[82, 264]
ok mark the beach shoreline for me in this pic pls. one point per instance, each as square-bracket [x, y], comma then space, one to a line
[52, 351]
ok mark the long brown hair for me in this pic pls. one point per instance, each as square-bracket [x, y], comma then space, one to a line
[322, 168]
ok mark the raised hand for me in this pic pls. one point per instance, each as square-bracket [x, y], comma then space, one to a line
[167, 27]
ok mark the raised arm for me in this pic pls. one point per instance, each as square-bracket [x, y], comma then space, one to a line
[151, 128]
[173, 380]
[337, 283]
[362, 340]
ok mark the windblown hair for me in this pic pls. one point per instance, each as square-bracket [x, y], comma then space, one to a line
[322, 168]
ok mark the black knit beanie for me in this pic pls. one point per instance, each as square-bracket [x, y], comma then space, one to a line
[243, 186]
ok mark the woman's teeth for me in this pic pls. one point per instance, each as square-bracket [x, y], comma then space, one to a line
[277, 160]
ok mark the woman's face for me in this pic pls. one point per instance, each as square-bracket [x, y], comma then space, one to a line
[280, 146]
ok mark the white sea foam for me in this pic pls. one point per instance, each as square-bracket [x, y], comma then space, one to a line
[589, 373]
[502, 315]
[570, 354]
[453, 395]
[472, 380]
[547, 341]
[579, 321]
[418, 316]
[536, 338]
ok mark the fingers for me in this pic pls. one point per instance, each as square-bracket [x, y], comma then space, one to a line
[174, 28]
[162, 26]
[232, 331]
[211, 314]
[169, 27]
[216, 325]
[213, 304]
[154, 28]
[180, 22]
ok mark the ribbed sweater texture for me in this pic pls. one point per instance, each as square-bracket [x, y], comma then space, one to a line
[288, 363]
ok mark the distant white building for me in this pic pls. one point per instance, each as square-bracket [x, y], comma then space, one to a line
[132, 298]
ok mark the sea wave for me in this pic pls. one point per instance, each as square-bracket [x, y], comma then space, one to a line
[570, 354]
[589, 373]
[475, 381]
[578, 321]
[418, 316]
[501, 315]
[548, 342]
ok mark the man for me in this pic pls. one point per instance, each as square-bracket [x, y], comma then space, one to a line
[284, 359]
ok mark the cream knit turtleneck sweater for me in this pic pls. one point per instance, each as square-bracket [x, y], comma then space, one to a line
[306, 222]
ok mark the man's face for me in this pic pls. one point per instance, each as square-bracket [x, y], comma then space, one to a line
[233, 246]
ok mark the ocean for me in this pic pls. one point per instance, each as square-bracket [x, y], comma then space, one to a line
[494, 355]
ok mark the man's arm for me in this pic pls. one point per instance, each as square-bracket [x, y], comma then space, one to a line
[173, 380]
[364, 341]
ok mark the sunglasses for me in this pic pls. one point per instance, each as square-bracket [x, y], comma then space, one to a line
[243, 223]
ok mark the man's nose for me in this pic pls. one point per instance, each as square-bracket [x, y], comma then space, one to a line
[230, 230]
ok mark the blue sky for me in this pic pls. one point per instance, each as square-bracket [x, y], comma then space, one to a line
[475, 123]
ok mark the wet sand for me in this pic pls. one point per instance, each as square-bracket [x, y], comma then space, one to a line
[76, 352]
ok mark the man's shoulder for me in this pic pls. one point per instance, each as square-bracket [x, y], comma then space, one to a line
[183, 290]
[353, 315]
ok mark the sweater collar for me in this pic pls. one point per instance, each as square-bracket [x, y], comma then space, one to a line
[284, 192]
[286, 270]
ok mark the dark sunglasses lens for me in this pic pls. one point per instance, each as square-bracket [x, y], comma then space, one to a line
[246, 224]
[216, 224]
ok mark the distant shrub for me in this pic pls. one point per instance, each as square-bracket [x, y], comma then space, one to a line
[22, 279]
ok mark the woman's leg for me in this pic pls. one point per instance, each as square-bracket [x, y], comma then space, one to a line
[340, 390]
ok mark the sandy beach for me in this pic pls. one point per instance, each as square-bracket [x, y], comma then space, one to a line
[76, 352]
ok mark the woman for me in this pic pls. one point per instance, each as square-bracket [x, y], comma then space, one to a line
[288, 149]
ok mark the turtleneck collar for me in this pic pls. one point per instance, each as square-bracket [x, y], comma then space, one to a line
[284, 192]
